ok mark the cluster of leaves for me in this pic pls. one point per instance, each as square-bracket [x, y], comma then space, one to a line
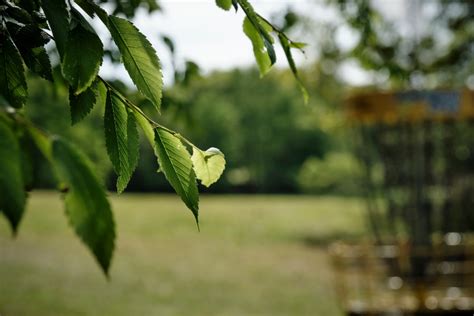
[26, 27]
[24, 32]
[259, 31]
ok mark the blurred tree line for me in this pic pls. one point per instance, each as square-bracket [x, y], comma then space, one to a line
[403, 44]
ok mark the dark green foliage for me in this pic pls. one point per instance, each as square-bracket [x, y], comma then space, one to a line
[37, 60]
[87, 208]
[30, 41]
[30, 36]
[81, 104]
[129, 7]
[12, 76]
[19, 14]
[57, 13]
[28, 154]
[82, 58]
[121, 136]
[93, 9]
[12, 197]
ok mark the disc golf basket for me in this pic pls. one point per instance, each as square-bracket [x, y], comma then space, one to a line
[417, 150]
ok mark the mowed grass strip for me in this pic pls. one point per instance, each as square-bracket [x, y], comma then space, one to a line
[250, 258]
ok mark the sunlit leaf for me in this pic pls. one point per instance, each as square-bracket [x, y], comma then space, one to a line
[224, 4]
[139, 58]
[175, 162]
[298, 45]
[259, 50]
[146, 127]
[208, 165]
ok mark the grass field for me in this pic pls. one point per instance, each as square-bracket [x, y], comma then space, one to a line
[255, 255]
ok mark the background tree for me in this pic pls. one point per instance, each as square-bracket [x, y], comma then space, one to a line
[430, 45]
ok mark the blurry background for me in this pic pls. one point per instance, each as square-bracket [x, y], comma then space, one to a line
[292, 184]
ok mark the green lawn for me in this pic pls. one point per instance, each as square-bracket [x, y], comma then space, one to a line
[255, 255]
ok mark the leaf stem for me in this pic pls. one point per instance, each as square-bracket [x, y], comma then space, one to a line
[248, 10]
[138, 110]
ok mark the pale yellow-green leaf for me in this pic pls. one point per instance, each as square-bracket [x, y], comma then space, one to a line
[208, 165]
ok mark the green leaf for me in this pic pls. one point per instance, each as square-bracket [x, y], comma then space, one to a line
[28, 154]
[19, 14]
[224, 4]
[91, 8]
[208, 165]
[29, 5]
[133, 147]
[261, 27]
[146, 128]
[12, 192]
[87, 6]
[259, 50]
[82, 58]
[298, 45]
[30, 41]
[176, 164]
[139, 58]
[37, 60]
[121, 138]
[81, 104]
[12, 74]
[169, 43]
[235, 4]
[285, 43]
[87, 207]
[57, 13]
[29, 36]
